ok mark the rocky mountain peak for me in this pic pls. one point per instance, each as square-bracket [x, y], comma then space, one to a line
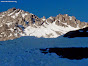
[12, 9]
[44, 17]
[15, 23]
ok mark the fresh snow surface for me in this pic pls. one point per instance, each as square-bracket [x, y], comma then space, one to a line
[10, 35]
[50, 17]
[1, 25]
[45, 30]
[70, 17]
[16, 14]
[11, 13]
[2, 16]
[23, 15]
[43, 19]
[11, 29]
[25, 51]
[9, 23]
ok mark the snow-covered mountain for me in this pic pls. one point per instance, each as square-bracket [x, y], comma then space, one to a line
[25, 51]
[15, 23]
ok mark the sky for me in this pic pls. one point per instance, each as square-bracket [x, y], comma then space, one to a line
[47, 8]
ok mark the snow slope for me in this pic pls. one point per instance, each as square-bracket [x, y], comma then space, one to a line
[46, 30]
[25, 51]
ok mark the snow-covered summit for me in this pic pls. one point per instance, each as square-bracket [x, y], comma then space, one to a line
[15, 23]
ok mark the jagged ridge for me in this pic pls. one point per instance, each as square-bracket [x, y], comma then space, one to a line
[15, 23]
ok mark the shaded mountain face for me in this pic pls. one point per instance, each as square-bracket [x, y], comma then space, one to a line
[77, 33]
[72, 53]
[15, 23]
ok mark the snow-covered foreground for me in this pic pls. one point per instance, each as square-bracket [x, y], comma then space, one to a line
[25, 51]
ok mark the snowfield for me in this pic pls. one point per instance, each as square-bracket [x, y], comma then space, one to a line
[46, 30]
[25, 51]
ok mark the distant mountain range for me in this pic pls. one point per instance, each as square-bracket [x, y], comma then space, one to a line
[15, 23]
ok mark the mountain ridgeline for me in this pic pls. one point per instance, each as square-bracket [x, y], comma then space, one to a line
[15, 23]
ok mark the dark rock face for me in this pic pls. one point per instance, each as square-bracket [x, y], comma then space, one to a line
[78, 33]
[70, 20]
[49, 20]
[12, 18]
[9, 32]
[71, 53]
[11, 10]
